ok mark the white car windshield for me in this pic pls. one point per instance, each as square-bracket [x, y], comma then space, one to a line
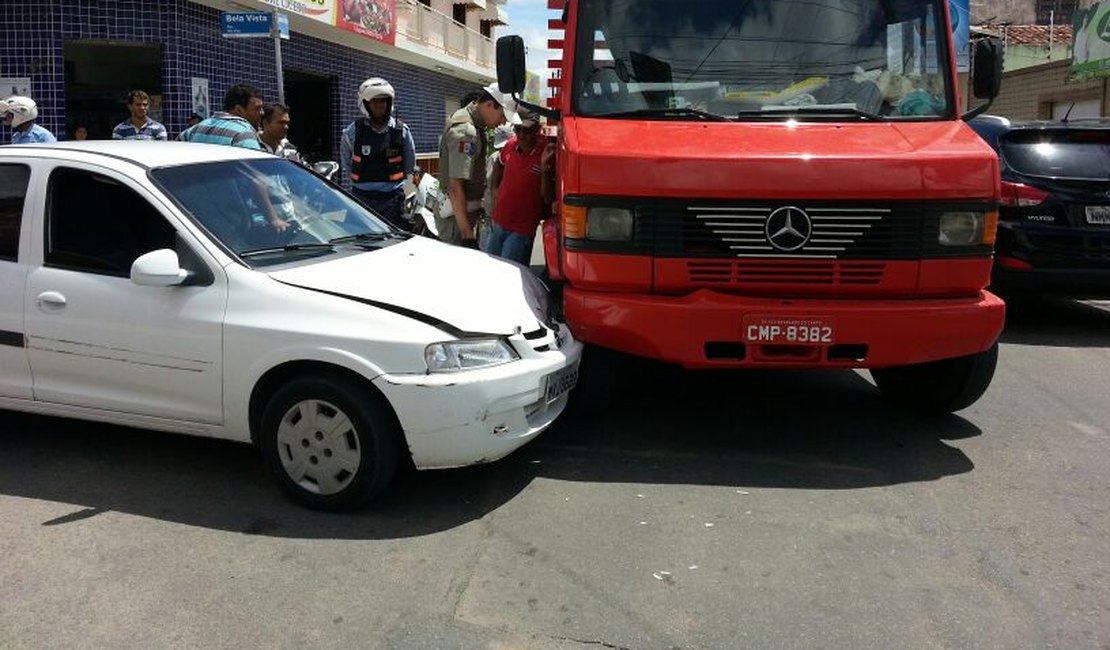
[268, 211]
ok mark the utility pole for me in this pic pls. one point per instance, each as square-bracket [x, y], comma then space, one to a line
[275, 31]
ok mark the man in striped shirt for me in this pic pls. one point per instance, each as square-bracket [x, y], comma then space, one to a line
[237, 125]
[140, 126]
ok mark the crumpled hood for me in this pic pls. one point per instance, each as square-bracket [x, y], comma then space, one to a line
[760, 160]
[465, 289]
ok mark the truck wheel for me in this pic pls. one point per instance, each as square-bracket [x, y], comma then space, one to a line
[330, 443]
[939, 387]
[597, 376]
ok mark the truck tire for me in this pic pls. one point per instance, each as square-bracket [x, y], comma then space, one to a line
[939, 387]
[597, 376]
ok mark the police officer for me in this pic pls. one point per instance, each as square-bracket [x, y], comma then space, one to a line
[20, 113]
[377, 152]
[462, 163]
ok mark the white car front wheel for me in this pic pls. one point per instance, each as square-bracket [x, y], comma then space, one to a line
[330, 443]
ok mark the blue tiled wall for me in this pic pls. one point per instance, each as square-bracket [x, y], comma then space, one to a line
[32, 33]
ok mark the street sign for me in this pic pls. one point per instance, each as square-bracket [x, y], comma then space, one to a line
[252, 24]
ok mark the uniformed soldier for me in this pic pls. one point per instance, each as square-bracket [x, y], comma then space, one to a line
[377, 152]
[462, 163]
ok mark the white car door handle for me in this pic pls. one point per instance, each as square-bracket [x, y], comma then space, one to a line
[52, 298]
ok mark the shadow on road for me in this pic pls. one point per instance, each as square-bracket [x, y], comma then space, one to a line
[782, 429]
[1056, 322]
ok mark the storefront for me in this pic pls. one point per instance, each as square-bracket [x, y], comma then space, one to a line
[82, 57]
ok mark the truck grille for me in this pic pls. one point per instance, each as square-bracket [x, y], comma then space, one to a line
[829, 232]
[765, 272]
[824, 230]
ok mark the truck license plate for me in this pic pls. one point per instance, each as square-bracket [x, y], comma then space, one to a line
[802, 330]
[1098, 214]
[558, 383]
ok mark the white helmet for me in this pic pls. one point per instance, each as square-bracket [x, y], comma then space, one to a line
[21, 110]
[372, 88]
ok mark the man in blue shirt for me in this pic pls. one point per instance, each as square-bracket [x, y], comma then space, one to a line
[237, 125]
[377, 152]
[139, 127]
[20, 113]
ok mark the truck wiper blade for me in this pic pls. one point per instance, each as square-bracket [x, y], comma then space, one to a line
[323, 246]
[369, 236]
[671, 113]
[788, 111]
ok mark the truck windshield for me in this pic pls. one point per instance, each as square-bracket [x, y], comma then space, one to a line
[762, 59]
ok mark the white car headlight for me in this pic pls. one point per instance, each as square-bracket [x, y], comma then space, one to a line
[961, 229]
[453, 356]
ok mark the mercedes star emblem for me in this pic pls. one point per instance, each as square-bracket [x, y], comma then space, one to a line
[788, 228]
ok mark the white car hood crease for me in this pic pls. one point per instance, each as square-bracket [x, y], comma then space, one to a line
[465, 289]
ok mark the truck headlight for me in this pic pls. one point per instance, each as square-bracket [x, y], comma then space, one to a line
[961, 228]
[609, 224]
[453, 356]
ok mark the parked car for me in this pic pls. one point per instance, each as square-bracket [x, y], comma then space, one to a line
[1054, 219]
[221, 292]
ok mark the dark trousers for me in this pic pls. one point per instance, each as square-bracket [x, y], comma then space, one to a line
[387, 205]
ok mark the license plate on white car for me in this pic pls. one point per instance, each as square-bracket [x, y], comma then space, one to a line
[559, 383]
[802, 330]
[1098, 215]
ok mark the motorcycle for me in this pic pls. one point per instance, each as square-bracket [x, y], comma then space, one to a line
[422, 204]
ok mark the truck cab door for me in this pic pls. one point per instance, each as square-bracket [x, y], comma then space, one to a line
[16, 217]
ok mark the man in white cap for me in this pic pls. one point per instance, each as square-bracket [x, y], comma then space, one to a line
[462, 163]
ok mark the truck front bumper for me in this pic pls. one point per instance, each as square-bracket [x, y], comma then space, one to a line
[706, 329]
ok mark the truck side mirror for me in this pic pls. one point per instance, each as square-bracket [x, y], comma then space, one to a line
[986, 78]
[986, 74]
[510, 64]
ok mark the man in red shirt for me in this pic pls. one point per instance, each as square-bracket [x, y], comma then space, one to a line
[524, 188]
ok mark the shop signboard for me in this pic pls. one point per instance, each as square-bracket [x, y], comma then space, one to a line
[252, 24]
[200, 97]
[1091, 41]
[319, 10]
[10, 86]
[376, 19]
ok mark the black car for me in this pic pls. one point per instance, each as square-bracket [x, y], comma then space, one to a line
[1054, 219]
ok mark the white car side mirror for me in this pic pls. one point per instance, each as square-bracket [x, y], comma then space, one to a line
[159, 268]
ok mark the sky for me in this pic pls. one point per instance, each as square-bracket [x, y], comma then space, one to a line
[528, 19]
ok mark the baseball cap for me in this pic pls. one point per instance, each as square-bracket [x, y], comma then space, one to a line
[505, 101]
[528, 119]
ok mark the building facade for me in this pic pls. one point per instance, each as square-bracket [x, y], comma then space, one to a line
[83, 56]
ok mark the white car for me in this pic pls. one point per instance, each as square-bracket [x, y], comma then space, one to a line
[222, 292]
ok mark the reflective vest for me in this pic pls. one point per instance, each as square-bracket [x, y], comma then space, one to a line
[371, 162]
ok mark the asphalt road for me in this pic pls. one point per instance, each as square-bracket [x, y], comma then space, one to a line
[765, 509]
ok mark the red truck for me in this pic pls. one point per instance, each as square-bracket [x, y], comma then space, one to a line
[773, 184]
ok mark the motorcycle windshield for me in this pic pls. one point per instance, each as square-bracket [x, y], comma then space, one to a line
[762, 59]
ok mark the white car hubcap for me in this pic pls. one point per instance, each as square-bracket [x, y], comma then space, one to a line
[318, 446]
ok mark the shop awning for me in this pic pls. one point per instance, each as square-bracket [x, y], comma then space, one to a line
[476, 4]
[496, 15]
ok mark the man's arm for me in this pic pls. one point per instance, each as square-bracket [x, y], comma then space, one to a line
[160, 132]
[409, 152]
[346, 147]
[458, 204]
[547, 174]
